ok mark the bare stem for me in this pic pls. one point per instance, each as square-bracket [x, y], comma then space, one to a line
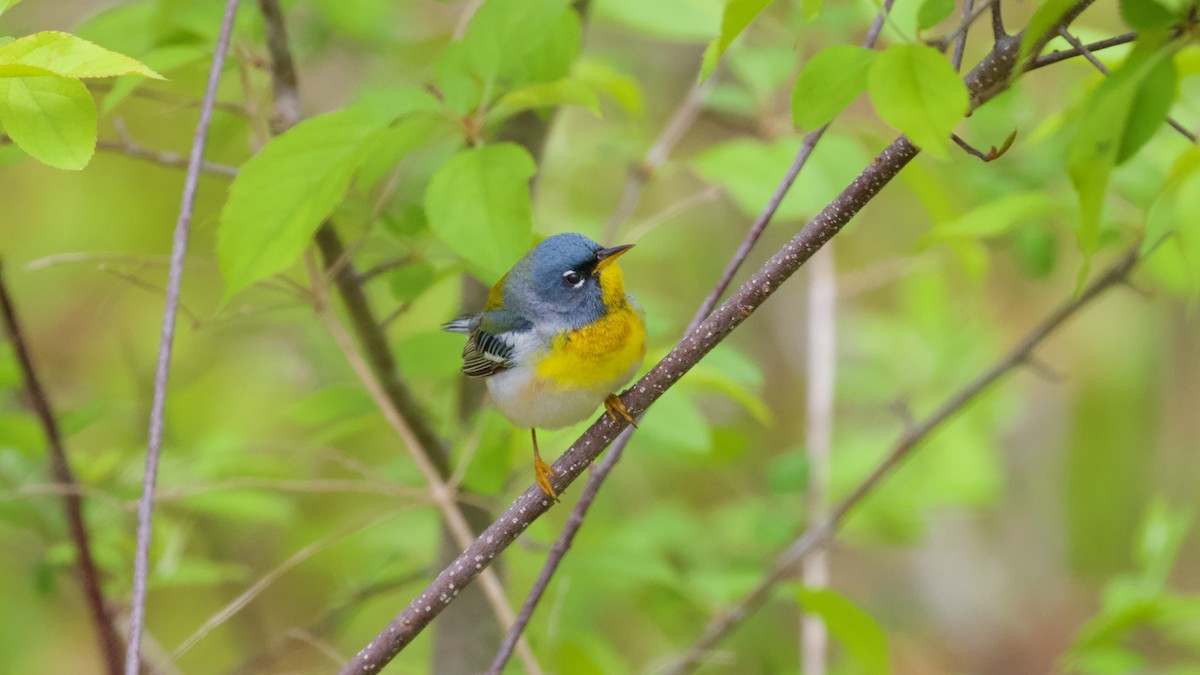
[64, 480]
[141, 569]
[960, 45]
[819, 534]
[1054, 57]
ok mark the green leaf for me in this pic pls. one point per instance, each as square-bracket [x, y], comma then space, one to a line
[410, 281]
[681, 20]
[788, 473]
[829, 82]
[50, 117]
[1047, 14]
[282, 194]
[503, 32]
[997, 217]
[478, 203]
[933, 12]
[737, 15]
[6, 5]
[621, 88]
[1188, 228]
[811, 9]
[1147, 15]
[915, 89]
[567, 91]
[1114, 123]
[70, 56]
[864, 640]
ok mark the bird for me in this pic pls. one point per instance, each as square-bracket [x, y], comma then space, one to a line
[558, 336]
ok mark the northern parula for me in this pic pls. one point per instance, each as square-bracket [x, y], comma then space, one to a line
[557, 337]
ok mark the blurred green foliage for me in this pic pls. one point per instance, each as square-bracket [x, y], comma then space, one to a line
[1003, 546]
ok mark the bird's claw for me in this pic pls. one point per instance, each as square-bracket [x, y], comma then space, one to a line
[542, 473]
[617, 411]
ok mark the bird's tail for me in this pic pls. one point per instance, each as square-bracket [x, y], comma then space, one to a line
[463, 324]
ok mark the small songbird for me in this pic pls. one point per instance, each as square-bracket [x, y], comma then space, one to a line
[557, 338]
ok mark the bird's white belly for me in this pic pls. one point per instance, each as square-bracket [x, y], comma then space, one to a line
[531, 403]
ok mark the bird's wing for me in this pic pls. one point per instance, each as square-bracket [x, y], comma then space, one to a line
[491, 342]
[463, 324]
[486, 354]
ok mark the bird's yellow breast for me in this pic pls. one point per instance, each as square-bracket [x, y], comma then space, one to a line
[604, 353]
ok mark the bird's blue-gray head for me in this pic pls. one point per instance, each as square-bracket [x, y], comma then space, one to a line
[567, 279]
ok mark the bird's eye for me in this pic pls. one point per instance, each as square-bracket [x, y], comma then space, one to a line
[573, 278]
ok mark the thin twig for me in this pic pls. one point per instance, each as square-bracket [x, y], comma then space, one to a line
[165, 158]
[640, 173]
[998, 31]
[819, 534]
[1087, 53]
[1054, 57]
[821, 371]
[162, 370]
[960, 45]
[600, 472]
[256, 589]
[964, 24]
[64, 478]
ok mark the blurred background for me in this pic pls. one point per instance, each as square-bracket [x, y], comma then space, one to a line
[1047, 528]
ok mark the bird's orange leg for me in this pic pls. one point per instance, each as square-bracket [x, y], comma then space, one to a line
[617, 410]
[542, 470]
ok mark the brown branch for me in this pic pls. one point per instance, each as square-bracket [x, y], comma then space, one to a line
[1083, 49]
[960, 45]
[165, 158]
[1054, 57]
[64, 478]
[819, 534]
[997, 21]
[141, 569]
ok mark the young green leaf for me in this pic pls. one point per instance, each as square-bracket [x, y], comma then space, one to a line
[69, 56]
[997, 217]
[478, 203]
[282, 194]
[915, 89]
[567, 91]
[864, 640]
[503, 32]
[829, 82]
[620, 87]
[737, 15]
[6, 5]
[933, 12]
[50, 117]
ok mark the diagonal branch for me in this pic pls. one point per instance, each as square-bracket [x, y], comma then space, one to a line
[818, 535]
[141, 567]
[988, 79]
[64, 479]
[1054, 57]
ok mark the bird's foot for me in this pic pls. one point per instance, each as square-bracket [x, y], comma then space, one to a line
[542, 473]
[617, 411]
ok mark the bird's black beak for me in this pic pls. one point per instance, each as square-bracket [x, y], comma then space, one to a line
[606, 256]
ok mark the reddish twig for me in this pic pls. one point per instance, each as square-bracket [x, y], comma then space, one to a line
[64, 478]
[141, 567]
